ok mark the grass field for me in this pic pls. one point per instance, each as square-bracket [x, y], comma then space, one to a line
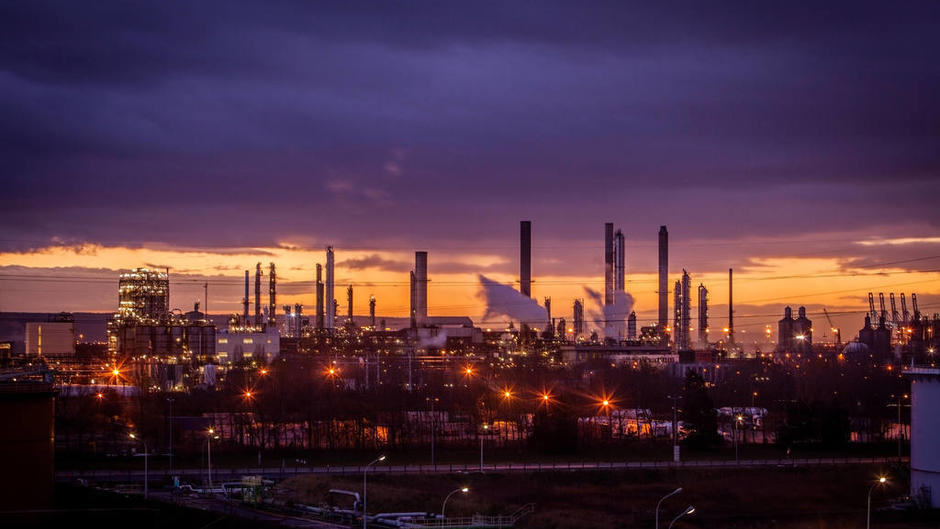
[780, 498]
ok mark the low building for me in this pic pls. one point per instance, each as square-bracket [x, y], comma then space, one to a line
[232, 347]
[50, 339]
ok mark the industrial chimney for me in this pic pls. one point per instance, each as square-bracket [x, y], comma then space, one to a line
[245, 302]
[349, 302]
[620, 263]
[258, 295]
[703, 316]
[730, 306]
[663, 273]
[421, 289]
[525, 258]
[272, 297]
[330, 297]
[608, 264]
[320, 308]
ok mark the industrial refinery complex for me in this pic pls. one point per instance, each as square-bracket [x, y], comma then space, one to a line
[154, 352]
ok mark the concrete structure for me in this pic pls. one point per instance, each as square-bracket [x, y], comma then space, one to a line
[245, 301]
[258, 321]
[320, 294]
[525, 258]
[631, 326]
[144, 294]
[272, 296]
[330, 321]
[702, 316]
[683, 333]
[50, 339]
[349, 303]
[620, 263]
[640, 353]
[144, 326]
[876, 340]
[232, 346]
[663, 277]
[421, 288]
[578, 317]
[925, 435]
[794, 335]
[27, 445]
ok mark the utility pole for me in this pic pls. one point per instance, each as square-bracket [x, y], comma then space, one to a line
[170, 452]
[675, 426]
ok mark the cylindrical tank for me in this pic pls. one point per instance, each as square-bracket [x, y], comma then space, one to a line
[925, 434]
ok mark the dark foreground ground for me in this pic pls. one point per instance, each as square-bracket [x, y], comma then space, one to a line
[80, 507]
[782, 498]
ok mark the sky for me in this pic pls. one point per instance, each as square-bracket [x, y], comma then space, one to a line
[797, 144]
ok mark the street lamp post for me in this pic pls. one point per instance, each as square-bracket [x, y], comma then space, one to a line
[881, 481]
[364, 490]
[734, 423]
[170, 400]
[444, 505]
[677, 491]
[688, 510]
[485, 428]
[209, 452]
[675, 427]
[146, 467]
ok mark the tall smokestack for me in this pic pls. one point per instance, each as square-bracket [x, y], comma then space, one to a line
[608, 264]
[413, 312]
[258, 295]
[676, 312]
[703, 316]
[330, 297]
[620, 263]
[320, 307]
[548, 310]
[421, 288]
[525, 257]
[685, 320]
[663, 277]
[272, 297]
[730, 306]
[245, 301]
[349, 302]
[578, 317]
[372, 312]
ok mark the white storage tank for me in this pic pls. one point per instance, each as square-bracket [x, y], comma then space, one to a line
[925, 434]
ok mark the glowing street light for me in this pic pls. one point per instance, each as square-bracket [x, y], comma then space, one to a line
[881, 481]
[133, 436]
[688, 510]
[209, 438]
[444, 506]
[364, 490]
[677, 491]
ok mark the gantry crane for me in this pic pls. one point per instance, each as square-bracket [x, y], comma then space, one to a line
[833, 328]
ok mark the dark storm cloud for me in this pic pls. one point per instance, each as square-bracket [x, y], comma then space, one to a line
[375, 262]
[426, 122]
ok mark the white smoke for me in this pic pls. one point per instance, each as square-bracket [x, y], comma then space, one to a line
[611, 320]
[506, 301]
[434, 342]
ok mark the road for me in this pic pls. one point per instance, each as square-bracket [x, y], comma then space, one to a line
[234, 474]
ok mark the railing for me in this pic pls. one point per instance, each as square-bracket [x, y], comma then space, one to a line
[477, 520]
[279, 472]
